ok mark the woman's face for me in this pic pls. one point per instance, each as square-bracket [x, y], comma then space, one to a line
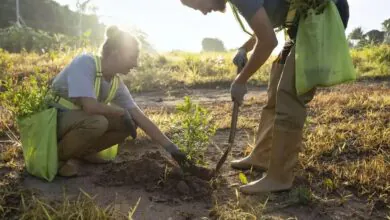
[123, 60]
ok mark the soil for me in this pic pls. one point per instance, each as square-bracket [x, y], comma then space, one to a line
[154, 172]
[142, 170]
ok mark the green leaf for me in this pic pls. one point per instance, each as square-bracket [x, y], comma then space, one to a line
[243, 178]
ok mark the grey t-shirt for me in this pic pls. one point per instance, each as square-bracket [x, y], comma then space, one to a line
[276, 9]
[78, 80]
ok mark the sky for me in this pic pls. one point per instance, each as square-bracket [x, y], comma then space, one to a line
[172, 26]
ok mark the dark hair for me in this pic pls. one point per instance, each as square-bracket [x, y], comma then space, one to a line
[115, 40]
[220, 5]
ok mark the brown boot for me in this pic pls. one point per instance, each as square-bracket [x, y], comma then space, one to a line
[259, 157]
[68, 168]
[284, 157]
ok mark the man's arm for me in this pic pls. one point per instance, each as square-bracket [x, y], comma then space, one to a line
[249, 44]
[266, 43]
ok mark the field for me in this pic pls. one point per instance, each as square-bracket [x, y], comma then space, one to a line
[342, 171]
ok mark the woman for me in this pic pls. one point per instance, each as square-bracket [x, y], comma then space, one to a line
[279, 136]
[86, 125]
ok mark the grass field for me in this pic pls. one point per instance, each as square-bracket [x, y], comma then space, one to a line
[343, 168]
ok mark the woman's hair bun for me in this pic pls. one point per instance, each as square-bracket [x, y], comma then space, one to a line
[112, 32]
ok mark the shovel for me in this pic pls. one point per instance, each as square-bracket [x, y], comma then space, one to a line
[232, 134]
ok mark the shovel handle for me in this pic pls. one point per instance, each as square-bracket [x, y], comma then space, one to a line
[232, 134]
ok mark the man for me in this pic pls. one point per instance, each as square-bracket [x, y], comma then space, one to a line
[279, 135]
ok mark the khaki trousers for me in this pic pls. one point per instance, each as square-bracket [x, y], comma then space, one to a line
[80, 134]
[284, 109]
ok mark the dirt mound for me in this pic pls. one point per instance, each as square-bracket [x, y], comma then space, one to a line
[155, 172]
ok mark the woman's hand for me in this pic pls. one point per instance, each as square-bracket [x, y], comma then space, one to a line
[130, 124]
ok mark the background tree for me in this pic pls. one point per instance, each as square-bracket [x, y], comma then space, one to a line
[48, 23]
[213, 44]
[356, 34]
[375, 36]
[386, 29]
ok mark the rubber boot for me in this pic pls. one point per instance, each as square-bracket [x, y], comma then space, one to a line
[259, 157]
[284, 156]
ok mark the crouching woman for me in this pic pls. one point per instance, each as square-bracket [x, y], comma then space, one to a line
[95, 109]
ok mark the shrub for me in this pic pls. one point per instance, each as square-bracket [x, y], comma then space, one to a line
[194, 129]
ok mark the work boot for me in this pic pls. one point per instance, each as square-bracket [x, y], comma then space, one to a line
[68, 168]
[284, 157]
[259, 157]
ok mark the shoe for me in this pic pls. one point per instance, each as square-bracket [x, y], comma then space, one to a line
[68, 168]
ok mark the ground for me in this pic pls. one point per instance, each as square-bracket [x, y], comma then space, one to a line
[144, 172]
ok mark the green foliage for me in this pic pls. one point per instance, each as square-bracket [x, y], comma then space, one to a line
[356, 34]
[386, 26]
[301, 195]
[329, 185]
[372, 60]
[177, 69]
[49, 16]
[25, 97]
[195, 127]
[15, 39]
[375, 36]
[5, 62]
[243, 178]
[58, 26]
[304, 6]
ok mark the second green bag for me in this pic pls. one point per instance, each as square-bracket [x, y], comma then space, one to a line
[322, 55]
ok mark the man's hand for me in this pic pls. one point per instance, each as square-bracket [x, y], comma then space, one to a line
[238, 91]
[240, 59]
[130, 124]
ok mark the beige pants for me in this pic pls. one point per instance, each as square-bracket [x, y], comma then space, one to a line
[290, 107]
[284, 109]
[81, 135]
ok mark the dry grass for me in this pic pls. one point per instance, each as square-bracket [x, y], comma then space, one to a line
[347, 136]
[348, 141]
[347, 149]
[347, 152]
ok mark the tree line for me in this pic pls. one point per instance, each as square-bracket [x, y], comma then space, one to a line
[371, 37]
[50, 16]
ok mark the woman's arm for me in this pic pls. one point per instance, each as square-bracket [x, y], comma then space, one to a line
[151, 129]
[91, 106]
